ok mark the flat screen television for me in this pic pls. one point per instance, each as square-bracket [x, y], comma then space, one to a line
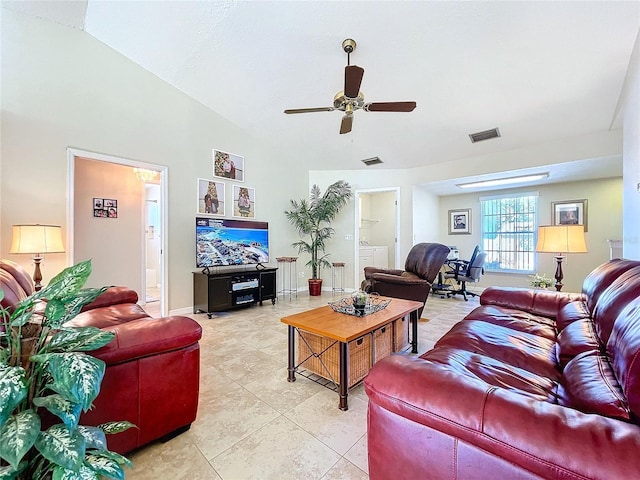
[222, 242]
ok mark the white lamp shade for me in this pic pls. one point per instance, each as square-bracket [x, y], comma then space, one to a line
[561, 239]
[37, 239]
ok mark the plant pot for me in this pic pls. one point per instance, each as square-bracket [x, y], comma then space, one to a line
[315, 287]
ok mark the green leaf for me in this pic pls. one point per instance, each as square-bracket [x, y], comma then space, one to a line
[76, 376]
[111, 428]
[85, 472]
[13, 389]
[66, 283]
[22, 314]
[104, 466]
[120, 459]
[94, 437]
[9, 473]
[79, 339]
[18, 435]
[62, 446]
[68, 412]
[54, 311]
[74, 303]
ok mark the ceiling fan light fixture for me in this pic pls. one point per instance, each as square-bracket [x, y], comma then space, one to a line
[372, 161]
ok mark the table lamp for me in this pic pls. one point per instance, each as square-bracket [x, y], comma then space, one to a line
[36, 240]
[561, 239]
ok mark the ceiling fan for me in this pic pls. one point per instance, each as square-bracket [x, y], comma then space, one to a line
[351, 98]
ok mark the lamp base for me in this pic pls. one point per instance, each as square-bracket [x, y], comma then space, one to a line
[559, 275]
[37, 274]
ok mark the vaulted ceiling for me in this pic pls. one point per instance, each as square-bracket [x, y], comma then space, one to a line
[539, 71]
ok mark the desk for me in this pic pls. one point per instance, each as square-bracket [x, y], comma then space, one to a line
[340, 331]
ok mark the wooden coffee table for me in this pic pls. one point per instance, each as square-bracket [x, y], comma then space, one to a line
[342, 329]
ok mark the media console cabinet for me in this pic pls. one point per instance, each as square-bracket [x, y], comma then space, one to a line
[219, 291]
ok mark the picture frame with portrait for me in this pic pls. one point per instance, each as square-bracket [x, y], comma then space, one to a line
[244, 202]
[211, 196]
[460, 222]
[228, 165]
[570, 212]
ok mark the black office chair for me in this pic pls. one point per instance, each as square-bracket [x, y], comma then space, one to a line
[463, 271]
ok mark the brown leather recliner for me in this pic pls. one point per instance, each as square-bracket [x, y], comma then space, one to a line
[414, 282]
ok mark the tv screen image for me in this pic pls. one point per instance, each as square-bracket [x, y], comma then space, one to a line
[222, 242]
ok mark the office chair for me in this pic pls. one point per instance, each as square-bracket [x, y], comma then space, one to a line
[466, 271]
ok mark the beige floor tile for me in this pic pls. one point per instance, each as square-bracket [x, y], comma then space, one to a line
[280, 451]
[320, 416]
[345, 470]
[358, 454]
[179, 459]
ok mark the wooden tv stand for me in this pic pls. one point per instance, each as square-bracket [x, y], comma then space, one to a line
[222, 289]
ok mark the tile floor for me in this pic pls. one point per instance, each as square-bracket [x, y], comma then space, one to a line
[252, 423]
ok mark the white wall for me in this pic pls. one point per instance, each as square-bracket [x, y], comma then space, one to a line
[630, 99]
[604, 216]
[63, 88]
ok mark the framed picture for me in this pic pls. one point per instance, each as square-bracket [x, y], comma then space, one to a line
[460, 221]
[569, 212]
[228, 165]
[105, 208]
[210, 197]
[244, 202]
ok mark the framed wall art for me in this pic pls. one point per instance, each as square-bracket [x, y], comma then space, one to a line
[228, 165]
[460, 221]
[244, 202]
[105, 208]
[210, 197]
[570, 212]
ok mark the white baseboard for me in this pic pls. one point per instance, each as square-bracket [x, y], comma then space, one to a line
[181, 311]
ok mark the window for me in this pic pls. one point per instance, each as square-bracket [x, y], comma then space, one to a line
[508, 232]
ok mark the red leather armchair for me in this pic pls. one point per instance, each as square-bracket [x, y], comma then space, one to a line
[153, 364]
[414, 282]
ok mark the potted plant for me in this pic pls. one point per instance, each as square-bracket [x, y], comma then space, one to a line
[47, 378]
[541, 281]
[312, 219]
[359, 302]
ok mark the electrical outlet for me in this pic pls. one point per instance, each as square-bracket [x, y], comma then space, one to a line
[301, 274]
[348, 236]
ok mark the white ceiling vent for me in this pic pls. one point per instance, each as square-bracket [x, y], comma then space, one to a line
[486, 135]
[371, 161]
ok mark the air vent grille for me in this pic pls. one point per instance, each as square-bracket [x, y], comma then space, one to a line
[371, 161]
[486, 135]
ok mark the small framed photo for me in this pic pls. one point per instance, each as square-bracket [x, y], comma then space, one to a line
[460, 221]
[228, 165]
[244, 202]
[210, 197]
[570, 212]
[105, 208]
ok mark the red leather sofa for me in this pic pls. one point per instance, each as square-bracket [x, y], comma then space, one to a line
[529, 385]
[153, 364]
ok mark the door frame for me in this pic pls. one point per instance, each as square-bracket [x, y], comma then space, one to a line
[72, 153]
[356, 256]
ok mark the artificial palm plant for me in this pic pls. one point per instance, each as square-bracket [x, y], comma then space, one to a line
[46, 376]
[312, 219]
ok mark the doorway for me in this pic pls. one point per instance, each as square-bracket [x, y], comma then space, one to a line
[118, 246]
[378, 221]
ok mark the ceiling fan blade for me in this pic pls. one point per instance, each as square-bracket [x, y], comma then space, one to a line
[347, 122]
[308, 110]
[352, 80]
[390, 106]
